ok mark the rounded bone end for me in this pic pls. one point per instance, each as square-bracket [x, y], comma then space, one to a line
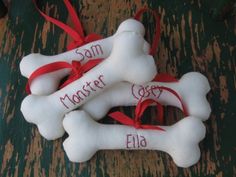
[80, 146]
[199, 106]
[29, 109]
[194, 88]
[72, 122]
[37, 110]
[130, 60]
[79, 122]
[45, 84]
[29, 63]
[140, 74]
[185, 138]
[51, 129]
[187, 157]
[78, 151]
[197, 81]
[131, 25]
[127, 44]
[191, 130]
[75, 120]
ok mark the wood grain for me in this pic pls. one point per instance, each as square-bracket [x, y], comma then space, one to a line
[190, 41]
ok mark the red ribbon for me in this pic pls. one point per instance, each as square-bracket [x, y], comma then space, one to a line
[77, 70]
[164, 77]
[136, 122]
[169, 78]
[142, 105]
[77, 34]
[78, 40]
[157, 34]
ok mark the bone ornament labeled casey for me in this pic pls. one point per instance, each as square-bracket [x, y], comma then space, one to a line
[192, 88]
[48, 83]
[86, 136]
[126, 61]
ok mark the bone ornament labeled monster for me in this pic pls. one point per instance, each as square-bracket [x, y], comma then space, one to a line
[86, 137]
[192, 88]
[127, 62]
[48, 83]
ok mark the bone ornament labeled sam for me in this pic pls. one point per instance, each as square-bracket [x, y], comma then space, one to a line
[97, 49]
[86, 137]
[127, 62]
[192, 88]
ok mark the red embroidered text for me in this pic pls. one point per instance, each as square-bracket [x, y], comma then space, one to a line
[139, 91]
[86, 89]
[93, 52]
[135, 141]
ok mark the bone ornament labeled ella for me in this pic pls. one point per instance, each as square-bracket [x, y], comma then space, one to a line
[192, 88]
[86, 137]
[126, 61]
[48, 83]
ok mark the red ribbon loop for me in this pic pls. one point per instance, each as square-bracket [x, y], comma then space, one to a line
[142, 106]
[169, 78]
[136, 122]
[157, 34]
[74, 18]
[76, 34]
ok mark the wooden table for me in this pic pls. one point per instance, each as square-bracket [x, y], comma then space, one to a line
[190, 41]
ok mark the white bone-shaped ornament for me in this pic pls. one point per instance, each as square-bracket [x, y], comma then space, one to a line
[126, 61]
[86, 137]
[48, 83]
[192, 88]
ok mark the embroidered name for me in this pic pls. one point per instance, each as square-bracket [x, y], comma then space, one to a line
[135, 141]
[93, 51]
[139, 91]
[83, 92]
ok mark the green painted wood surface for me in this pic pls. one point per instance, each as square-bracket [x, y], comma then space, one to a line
[190, 41]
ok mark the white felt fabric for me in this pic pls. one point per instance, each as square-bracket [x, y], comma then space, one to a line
[48, 83]
[86, 137]
[192, 87]
[126, 61]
